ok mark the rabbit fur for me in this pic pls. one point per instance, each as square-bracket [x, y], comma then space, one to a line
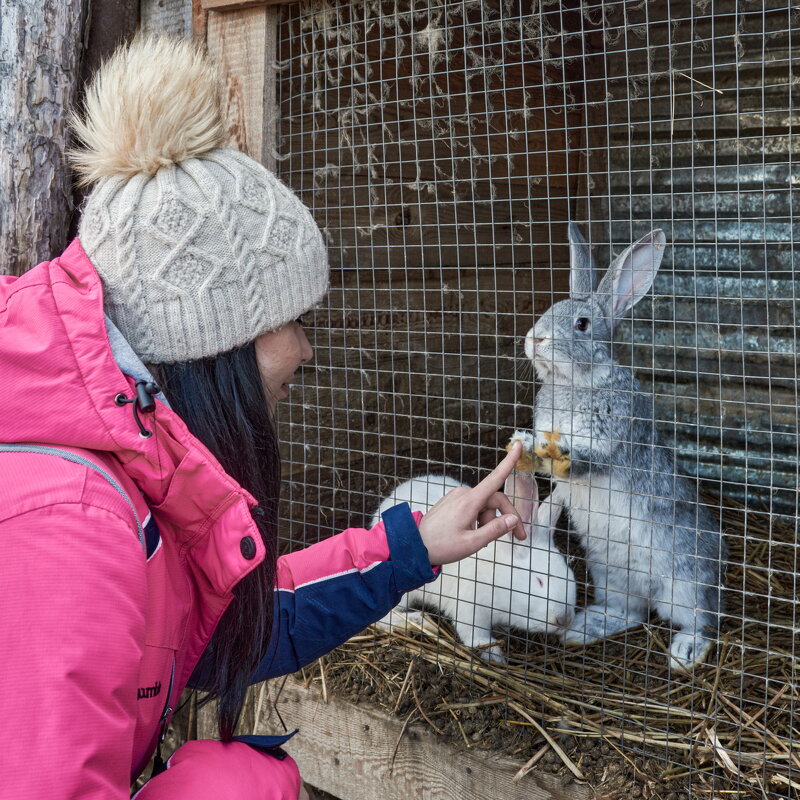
[651, 545]
[526, 585]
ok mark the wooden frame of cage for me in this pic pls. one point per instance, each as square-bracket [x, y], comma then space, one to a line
[359, 752]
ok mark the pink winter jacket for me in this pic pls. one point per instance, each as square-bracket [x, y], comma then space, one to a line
[100, 630]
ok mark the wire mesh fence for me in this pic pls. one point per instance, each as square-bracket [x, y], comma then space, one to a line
[444, 148]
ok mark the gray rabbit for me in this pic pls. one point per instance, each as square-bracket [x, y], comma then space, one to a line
[651, 545]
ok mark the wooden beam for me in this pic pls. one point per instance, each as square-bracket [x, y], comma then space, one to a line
[358, 752]
[199, 21]
[243, 43]
[109, 23]
[237, 5]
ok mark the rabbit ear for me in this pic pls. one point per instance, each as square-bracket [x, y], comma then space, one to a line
[631, 274]
[583, 271]
[520, 488]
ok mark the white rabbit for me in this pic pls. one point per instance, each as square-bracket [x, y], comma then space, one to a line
[525, 584]
[650, 543]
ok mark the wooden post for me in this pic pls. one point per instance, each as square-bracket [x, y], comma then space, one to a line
[110, 23]
[243, 43]
[40, 53]
[199, 21]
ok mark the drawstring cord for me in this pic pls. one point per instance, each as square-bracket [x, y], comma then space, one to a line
[142, 401]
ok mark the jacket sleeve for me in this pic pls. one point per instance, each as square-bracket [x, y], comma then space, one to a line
[330, 591]
[210, 770]
[72, 599]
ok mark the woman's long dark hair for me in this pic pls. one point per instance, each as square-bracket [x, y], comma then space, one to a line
[223, 402]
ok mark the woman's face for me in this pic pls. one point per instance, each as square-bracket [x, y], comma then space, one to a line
[279, 353]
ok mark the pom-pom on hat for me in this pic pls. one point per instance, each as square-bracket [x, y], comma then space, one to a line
[199, 247]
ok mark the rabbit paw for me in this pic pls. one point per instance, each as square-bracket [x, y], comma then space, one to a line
[481, 639]
[597, 622]
[688, 650]
[550, 457]
[525, 463]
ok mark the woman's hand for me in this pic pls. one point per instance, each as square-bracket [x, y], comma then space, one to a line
[449, 529]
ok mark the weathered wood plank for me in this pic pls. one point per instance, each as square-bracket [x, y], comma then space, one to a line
[40, 51]
[238, 5]
[243, 45]
[109, 23]
[358, 752]
[199, 21]
[169, 17]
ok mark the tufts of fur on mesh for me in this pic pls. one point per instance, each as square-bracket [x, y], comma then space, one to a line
[153, 103]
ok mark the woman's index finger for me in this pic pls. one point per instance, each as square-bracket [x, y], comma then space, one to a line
[497, 477]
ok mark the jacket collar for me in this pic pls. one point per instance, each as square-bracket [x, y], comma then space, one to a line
[61, 377]
[128, 362]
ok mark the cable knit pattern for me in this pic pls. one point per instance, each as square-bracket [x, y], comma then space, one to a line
[254, 298]
[139, 320]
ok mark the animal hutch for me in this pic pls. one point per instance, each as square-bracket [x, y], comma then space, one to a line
[443, 148]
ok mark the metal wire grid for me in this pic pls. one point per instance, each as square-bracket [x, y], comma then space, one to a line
[442, 148]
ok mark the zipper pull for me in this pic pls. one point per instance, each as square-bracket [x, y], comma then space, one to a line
[158, 761]
[163, 722]
[159, 765]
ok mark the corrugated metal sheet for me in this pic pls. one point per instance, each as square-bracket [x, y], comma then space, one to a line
[698, 136]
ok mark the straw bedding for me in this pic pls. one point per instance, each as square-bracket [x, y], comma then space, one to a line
[613, 715]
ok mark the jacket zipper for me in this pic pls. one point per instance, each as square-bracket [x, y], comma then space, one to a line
[165, 714]
[158, 762]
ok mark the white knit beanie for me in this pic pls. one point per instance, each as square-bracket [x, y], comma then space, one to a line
[199, 247]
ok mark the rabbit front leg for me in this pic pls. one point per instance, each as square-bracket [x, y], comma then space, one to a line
[599, 621]
[525, 463]
[404, 619]
[556, 457]
[548, 458]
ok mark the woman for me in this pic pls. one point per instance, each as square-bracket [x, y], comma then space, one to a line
[140, 473]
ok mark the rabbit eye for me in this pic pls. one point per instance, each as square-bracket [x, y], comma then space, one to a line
[582, 324]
